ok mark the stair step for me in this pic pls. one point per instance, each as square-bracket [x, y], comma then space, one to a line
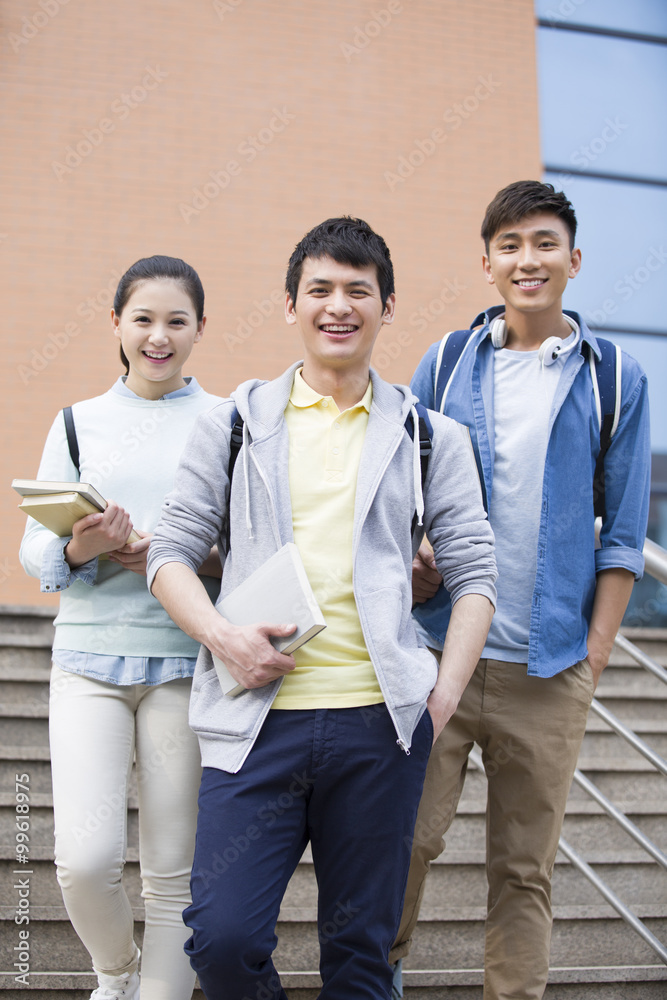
[614, 962]
[609, 939]
[617, 982]
[55, 945]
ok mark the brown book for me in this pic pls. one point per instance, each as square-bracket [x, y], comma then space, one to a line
[59, 505]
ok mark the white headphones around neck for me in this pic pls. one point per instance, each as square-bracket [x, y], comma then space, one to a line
[549, 351]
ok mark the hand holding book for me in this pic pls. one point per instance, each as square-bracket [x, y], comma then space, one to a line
[133, 555]
[98, 534]
[279, 591]
[250, 653]
[97, 526]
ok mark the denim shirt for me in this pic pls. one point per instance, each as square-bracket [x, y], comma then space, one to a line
[567, 558]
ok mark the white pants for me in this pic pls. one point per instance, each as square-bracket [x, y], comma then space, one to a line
[95, 729]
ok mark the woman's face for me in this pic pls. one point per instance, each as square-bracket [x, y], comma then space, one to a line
[157, 330]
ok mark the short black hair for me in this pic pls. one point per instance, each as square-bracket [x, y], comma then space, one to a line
[347, 241]
[523, 198]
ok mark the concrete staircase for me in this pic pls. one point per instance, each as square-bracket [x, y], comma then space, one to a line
[594, 953]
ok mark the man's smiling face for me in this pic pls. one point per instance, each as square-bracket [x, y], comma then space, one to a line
[338, 312]
[531, 262]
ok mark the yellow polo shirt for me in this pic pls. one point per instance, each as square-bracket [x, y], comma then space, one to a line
[333, 670]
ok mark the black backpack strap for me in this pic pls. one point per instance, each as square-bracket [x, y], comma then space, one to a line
[72, 442]
[425, 445]
[235, 443]
[451, 348]
[607, 383]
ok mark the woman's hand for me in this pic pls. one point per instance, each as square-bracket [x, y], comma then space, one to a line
[134, 555]
[425, 577]
[98, 533]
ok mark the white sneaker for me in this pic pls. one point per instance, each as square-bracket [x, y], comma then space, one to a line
[125, 987]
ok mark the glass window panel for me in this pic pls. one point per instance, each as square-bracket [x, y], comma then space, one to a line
[602, 103]
[623, 274]
[651, 353]
[642, 16]
[622, 238]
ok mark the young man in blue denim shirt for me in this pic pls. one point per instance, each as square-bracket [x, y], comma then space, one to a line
[526, 389]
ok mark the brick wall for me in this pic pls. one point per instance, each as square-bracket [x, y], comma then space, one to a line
[220, 132]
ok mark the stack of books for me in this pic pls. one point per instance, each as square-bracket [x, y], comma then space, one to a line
[59, 505]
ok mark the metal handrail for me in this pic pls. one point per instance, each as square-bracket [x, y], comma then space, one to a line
[613, 900]
[641, 658]
[630, 828]
[655, 560]
[629, 736]
[595, 880]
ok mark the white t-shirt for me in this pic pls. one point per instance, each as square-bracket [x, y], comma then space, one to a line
[524, 391]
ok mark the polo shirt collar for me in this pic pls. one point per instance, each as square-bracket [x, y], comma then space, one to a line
[303, 395]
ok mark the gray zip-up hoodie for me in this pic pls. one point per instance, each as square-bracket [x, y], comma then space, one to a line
[388, 492]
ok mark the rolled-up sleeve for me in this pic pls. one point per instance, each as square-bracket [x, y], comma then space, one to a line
[455, 520]
[57, 575]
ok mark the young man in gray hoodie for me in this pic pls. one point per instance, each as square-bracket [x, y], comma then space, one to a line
[329, 745]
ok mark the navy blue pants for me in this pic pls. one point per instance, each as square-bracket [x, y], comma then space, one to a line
[336, 778]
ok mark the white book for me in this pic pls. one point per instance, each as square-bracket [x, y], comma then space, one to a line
[43, 487]
[279, 592]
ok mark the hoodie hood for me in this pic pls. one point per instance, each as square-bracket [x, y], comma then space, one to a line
[256, 396]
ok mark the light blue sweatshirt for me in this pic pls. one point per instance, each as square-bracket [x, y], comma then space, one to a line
[129, 450]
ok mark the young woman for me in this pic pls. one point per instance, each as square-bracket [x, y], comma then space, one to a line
[120, 680]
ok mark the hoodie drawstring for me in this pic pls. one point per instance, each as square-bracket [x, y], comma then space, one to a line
[246, 478]
[416, 467]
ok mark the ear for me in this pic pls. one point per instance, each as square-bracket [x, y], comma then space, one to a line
[200, 330]
[575, 263]
[389, 309]
[486, 267]
[115, 320]
[290, 312]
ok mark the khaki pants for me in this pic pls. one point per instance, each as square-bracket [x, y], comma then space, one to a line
[530, 730]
